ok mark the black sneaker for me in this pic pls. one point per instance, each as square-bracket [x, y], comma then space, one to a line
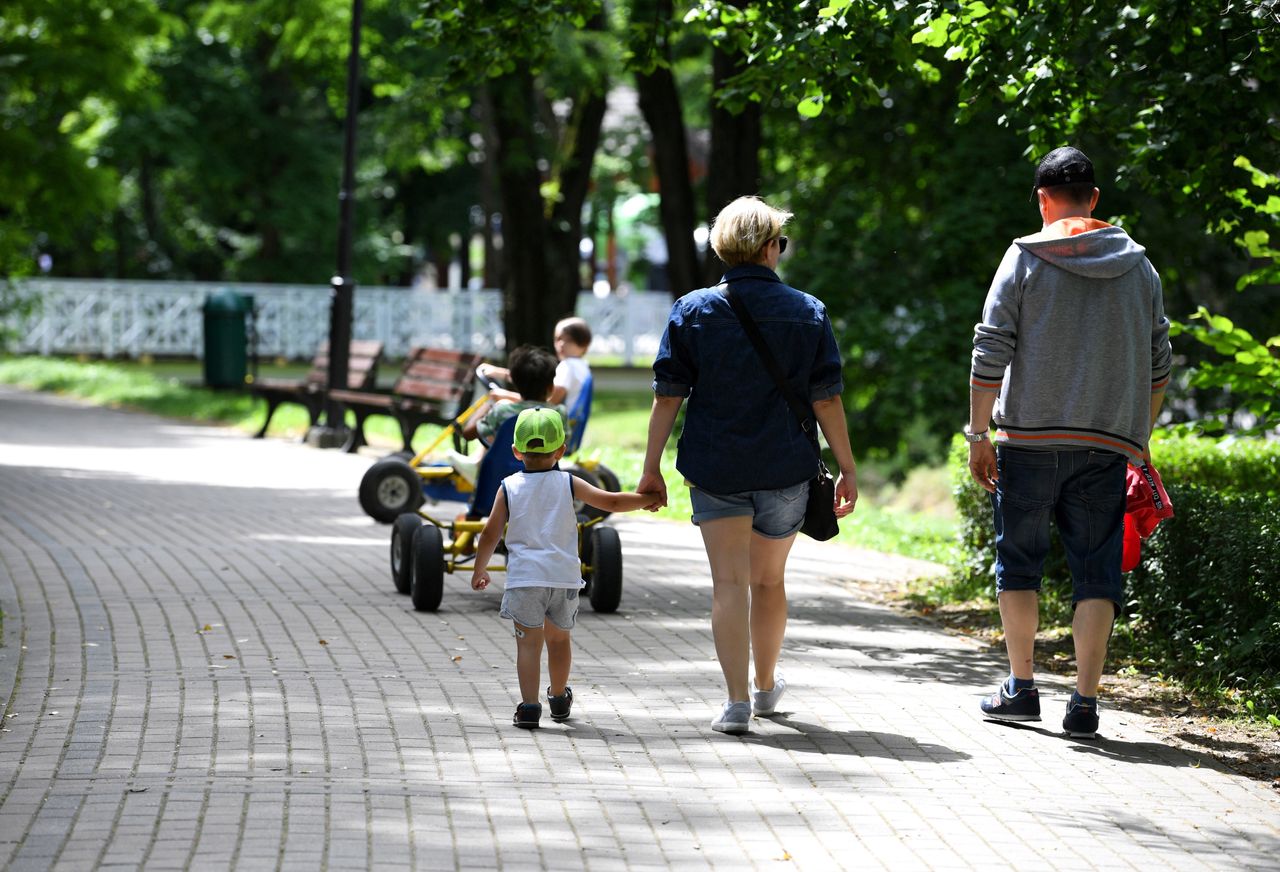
[560, 705]
[527, 715]
[1021, 706]
[1081, 720]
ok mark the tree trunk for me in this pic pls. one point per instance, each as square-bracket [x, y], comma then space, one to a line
[660, 104]
[733, 169]
[528, 304]
[582, 138]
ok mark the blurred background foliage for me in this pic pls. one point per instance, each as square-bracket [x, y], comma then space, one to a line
[201, 139]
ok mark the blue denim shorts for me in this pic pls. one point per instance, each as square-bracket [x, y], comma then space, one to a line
[1083, 491]
[528, 606]
[775, 514]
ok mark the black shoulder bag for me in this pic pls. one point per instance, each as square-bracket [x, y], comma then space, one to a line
[820, 513]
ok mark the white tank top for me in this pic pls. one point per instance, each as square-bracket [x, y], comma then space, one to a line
[542, 530]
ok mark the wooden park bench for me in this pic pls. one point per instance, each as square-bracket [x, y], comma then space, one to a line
[433, 387]
[309, 392]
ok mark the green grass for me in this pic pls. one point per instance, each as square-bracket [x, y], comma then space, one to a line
[915, 519]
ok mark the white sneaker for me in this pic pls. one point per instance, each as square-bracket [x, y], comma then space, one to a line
[766, 701]
[734, 718]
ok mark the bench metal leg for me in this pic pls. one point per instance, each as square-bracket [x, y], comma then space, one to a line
[271, 410]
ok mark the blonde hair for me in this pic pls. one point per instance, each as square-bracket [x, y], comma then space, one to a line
[743, 227]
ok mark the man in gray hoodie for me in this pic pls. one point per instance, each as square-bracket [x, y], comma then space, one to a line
[1072, 355]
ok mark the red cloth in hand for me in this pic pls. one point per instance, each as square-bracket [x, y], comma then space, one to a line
[1146, 505]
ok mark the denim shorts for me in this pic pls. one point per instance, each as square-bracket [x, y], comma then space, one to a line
[528, 606]
[775, 514]
[1084, 492]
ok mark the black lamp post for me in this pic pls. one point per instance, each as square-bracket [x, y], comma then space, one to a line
[333, 432]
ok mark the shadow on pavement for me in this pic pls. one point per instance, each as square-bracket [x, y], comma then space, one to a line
[816, 739]
[1116, 750]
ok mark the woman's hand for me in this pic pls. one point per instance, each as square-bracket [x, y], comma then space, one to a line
[479, 579]
[652, 484]
[846, 494]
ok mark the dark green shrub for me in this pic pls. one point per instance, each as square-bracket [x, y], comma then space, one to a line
[1207, 595]
[1238, 466]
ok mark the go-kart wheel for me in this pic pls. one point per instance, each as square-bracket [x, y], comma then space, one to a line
[579, 507]
[428, 568]
[402, 551]
[606, 575]
[389, 489]
[608, 480]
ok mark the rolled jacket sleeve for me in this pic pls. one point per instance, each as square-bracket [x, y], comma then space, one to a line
[826, 379]
[996, 337]
[673, 368]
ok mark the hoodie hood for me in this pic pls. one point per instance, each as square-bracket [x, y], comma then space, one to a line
[1086, 247]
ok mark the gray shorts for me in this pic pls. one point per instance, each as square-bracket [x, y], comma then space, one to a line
[528, 606]
[775, 514]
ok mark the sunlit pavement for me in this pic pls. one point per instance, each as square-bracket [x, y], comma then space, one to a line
[205, 665]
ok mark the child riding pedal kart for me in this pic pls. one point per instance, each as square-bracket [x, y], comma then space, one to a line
[395, 485]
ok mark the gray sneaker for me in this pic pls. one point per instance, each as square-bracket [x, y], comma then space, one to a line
[766, 701]
[734, 718]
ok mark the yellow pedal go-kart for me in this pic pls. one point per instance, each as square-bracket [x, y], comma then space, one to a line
[424, 548]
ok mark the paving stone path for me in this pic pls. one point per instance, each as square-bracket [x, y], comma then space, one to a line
[205, 666]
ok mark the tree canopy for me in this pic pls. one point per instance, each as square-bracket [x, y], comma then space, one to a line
[202, 139]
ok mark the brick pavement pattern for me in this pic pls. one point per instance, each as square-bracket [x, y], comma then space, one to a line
[206, 666]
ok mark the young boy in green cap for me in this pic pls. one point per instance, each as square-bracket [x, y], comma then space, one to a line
[544, 574]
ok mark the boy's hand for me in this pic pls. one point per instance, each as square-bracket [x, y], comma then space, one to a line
[479, 579]
[652, 484]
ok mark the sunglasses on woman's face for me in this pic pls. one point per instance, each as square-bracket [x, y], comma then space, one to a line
[782, 244]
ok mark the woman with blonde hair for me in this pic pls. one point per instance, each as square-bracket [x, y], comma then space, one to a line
[746, 457]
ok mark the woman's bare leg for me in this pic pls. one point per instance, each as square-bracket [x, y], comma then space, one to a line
[728, 544]
[768, 604]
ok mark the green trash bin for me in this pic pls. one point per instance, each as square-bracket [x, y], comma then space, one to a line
[226, 339]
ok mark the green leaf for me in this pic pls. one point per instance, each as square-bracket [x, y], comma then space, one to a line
[811, 106]
[935, 34]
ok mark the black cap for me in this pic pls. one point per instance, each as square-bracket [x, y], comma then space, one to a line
[1063, 166]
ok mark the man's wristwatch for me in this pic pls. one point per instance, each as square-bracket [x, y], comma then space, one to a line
[974, 437]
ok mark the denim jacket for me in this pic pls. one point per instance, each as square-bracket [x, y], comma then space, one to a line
[739, 433]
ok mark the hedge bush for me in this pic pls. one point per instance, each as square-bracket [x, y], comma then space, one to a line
[1207, 595]
[1205, 602]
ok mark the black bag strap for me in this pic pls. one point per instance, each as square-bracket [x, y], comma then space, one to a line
[803, 413]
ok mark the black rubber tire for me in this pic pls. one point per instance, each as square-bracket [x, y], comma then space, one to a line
[608, 479]
[580, 508]
[389, 489]
[606, 576]
[428, 568]
[402, 551]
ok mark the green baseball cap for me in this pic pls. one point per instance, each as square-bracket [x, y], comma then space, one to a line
[539, 431]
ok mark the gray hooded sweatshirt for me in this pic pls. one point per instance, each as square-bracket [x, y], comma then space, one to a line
[1075, 340]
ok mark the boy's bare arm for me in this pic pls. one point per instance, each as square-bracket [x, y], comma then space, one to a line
[487, 543]
[610, 501]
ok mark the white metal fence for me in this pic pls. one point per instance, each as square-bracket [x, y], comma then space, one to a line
[131, 319]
